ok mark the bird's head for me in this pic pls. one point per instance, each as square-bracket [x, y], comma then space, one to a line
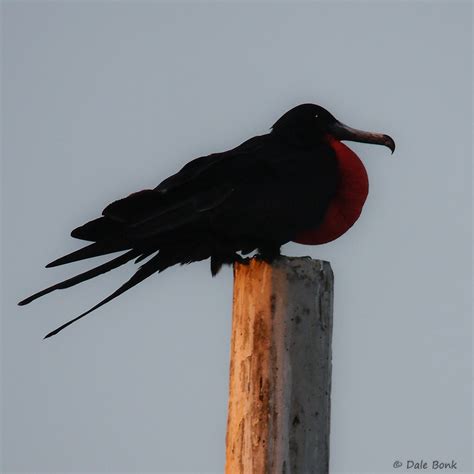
[310, 124]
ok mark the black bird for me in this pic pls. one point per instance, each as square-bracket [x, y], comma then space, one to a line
[297, 183]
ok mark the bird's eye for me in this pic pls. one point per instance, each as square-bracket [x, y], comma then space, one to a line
[316, 116]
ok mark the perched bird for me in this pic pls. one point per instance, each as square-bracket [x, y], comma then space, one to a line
[297, 183]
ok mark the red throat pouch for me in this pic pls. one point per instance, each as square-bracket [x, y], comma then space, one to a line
[346, 206]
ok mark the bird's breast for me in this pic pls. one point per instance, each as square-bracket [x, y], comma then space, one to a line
[346, 205]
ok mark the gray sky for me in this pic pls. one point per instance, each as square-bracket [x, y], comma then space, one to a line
[101, 99]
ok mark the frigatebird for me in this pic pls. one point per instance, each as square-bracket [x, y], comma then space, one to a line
[297, 183]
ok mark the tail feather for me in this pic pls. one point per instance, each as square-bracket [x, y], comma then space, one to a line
[144, 272]
[106, 267]
[144, 255]
[101, 228]
[92, 250]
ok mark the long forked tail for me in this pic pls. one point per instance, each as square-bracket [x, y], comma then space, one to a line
[106, 267]
[153, 265]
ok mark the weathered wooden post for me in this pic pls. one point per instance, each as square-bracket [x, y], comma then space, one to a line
[280, 368]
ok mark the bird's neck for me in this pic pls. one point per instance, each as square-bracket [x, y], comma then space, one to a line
[300, 137]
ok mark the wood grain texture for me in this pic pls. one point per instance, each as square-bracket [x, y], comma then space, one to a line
[280, 368]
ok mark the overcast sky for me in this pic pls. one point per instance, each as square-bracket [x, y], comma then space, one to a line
[101, 99]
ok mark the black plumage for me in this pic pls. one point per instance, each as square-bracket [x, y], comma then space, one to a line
[257, 196]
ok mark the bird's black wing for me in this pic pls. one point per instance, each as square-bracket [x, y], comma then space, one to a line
[200, 186]
[254, 183]
[195, 169]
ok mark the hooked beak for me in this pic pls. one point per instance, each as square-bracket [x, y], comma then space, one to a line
[343, 132]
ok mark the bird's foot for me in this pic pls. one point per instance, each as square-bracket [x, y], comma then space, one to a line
[239, 259]
[265, 258]
[268, 254]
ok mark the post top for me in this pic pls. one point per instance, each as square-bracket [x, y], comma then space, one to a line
[299, 267]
